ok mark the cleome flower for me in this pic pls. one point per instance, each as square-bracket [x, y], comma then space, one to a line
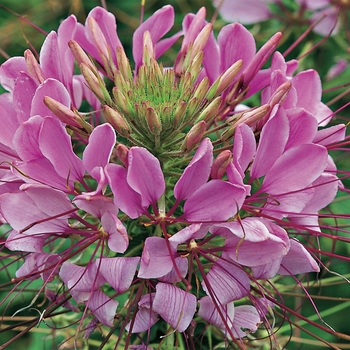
[171, 207]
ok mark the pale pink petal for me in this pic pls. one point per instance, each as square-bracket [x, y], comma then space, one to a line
[246, 320]
[196, 173]
[209, 312]
[103, 307]
[174, 305]
[227, 282]
[286, 176]
[118, 272]
[155, 260]
[9, 71]
[298, 260]
[145, 316]
[97, 153]
[246, 12]
[216, 200]
[145, 175]
[118, 239]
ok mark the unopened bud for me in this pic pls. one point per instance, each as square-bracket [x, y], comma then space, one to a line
[117, 121]
[66, 115]
[153, 121]
[179, 113]
[202, 39]
[79, 54]
[95, 83]
[33, 66]
[194, 136]
[280, 94]
[260, 58]
[211, 111]
[123, 63]
[253, 115]
[122, 154]
[148, 49]
[120, 100]
[224, 80]
[220, 164]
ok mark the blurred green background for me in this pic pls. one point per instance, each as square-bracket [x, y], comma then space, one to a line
[331, 293]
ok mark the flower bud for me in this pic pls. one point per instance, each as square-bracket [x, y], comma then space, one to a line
[280, 94]
[121, 152]
[33, 66]
[220, 164]
[260, 58]
[194, 136]
[117, 121]
[225, 79]
[210, 111]
[66, 115]
[96, 84]
[79, 54]
[153, 121]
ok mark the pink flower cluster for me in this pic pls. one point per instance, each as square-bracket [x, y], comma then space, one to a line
[214, 223]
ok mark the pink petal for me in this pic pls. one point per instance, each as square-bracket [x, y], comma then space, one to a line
[155, 261]
[54, 89]
[158, 25]
[145, 175]
[118, 272]
[174, 305]
[196, 173]
[25, 243]
[145, 317]
[235, 43]
[246, 320]
[9, 71]
[125, 198]
[247, 12]
[56, 146]
[81, 278]
[227, 282]
[209, 312]
[298, 260]
[8, 117]
[118, 240]
[103, 307]
[286, 176]
[244, 147]
[273, 139]
[97, 153]
[216, 200]
[96, 205]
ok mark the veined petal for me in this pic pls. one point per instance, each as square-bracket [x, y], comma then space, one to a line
[118, 240]
[155, 261]
[209, 312]
[227, 282]
[103, 307]
[174, 305]
[145, 175]
[246, 320]
[286, 176]
[216, 200]
[298, 260]
[55, 145]
[158, 25]
[118, 272]
[196, 173]
[273, 139]
[125, 198]
[97, 153]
